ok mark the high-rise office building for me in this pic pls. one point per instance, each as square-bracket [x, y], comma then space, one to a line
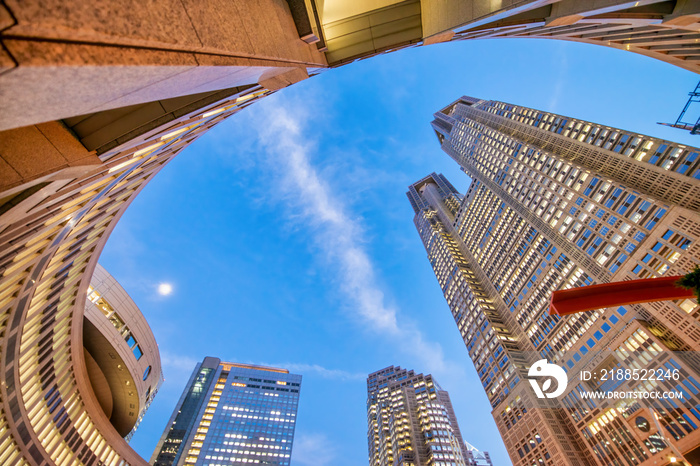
[232, 414]
[411, 422]
[97, 98]
[556, 202]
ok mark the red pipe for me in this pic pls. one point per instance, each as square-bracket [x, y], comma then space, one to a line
[587, 298]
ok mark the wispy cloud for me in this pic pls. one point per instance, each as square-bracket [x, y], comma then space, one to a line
[123, 252]
[336, 233]
[177, 365]
[122, 257]
[326, 373]
[560, 78]
[183, 365]
[313, 450]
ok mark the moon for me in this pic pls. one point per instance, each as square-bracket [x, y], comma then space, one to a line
[164, 289]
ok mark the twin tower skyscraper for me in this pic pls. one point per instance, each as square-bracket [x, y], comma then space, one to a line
[556, 202]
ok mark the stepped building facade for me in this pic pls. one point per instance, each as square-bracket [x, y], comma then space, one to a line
[555, 202]
[411, 422]
[96, 97]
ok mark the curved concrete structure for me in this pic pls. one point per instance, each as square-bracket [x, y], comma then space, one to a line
[124, 370]
[96, 97]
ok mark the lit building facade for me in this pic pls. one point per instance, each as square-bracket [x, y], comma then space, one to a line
[411, 422]
[121, 353]
[476, 457]
[556, 202]
[232, 414]
[97, 98]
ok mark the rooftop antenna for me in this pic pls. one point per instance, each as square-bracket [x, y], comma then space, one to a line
[694, 128]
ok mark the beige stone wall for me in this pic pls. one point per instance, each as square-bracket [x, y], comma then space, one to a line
[40, 150]
[62, 60]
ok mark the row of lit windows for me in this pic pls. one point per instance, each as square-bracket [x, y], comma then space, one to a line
[594, 246]
[108, 310]
[669, 156]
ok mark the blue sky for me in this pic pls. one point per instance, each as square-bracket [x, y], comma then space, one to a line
[288, 239]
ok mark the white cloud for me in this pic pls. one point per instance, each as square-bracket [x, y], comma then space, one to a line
[336, 233]
[560, 82]
[177, 365]
[313, 450]
[337, 374]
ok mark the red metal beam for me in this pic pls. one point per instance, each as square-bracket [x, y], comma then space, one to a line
[587, 298]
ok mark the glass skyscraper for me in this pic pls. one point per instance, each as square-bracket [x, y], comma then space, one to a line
[554, 203]
[411, 422]
[232, 414]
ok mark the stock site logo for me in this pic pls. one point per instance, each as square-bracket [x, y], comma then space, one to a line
[542, 370]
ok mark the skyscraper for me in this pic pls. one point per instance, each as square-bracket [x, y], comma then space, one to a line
[97, 98]
[232, 413]
[411, 422]
[556, 202]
